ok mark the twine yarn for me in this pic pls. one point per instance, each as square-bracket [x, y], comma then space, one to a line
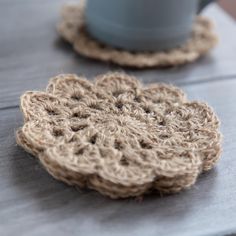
[117, 136]
[73, 29]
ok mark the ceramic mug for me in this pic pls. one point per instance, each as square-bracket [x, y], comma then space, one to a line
[142, 25]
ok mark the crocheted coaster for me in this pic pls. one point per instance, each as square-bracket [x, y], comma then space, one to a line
[117, 136]
[72, 29]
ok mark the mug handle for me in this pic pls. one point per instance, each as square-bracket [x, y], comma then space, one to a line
[203, 4]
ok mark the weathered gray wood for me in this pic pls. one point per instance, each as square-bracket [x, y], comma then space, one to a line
[33, 203]
[31, 51]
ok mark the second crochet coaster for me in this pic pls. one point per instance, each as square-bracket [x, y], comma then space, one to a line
[72, 29]
[117, 136]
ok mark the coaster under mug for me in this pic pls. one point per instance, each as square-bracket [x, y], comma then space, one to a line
[72, 28]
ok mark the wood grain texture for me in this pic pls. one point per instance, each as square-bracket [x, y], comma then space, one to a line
[33, 203]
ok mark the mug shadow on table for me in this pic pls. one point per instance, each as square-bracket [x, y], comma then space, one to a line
[35, 185]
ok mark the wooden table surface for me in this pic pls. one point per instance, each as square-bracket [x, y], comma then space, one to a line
[33, 203]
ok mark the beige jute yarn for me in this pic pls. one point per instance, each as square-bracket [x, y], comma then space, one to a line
[118, 136]
[73, 29]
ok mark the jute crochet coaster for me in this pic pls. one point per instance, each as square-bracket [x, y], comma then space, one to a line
[117, 136]
[72, 29]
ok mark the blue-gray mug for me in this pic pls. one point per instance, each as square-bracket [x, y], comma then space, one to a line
[142, 25]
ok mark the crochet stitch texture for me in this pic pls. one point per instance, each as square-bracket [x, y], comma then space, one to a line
[117, 136]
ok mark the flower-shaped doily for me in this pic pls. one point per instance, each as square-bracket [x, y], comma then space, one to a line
[117, 136]
[73, 29]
